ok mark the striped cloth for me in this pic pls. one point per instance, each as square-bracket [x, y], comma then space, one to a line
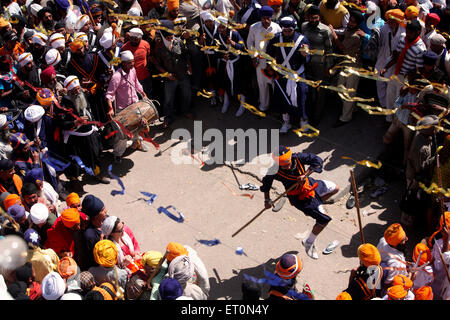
[413, 57]
[403, 114]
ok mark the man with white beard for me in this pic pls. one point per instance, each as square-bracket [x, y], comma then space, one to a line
[5, 146]
[80, 138]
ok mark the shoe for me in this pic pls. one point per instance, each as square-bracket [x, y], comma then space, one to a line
[103, 180]
[142, 147]
[117, 159]
[350, 202]
[226, 103]
[263, 108]
[240, 111]
[310, 249]
[303, 123]
[285, 127]
[378, 192]
[340, 123]
[330, 248]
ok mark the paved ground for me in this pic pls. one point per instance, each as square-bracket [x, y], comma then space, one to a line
[212, 211]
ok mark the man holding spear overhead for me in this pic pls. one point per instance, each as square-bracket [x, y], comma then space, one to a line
[308, 195]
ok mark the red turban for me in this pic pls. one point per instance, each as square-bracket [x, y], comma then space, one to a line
[274, 3]
[47, 73]
[433, 18]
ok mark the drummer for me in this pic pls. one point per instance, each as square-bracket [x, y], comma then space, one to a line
[123, 90]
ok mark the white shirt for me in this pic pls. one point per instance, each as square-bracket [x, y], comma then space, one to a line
[424, 277]
[224, 6]
[391, 258]
[388, 43]
[427, 37]
[256, 34]
[440, 284]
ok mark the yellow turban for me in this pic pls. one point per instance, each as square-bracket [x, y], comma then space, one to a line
[105, 253]
[174, 250]
[344, 296]
[426, 253]
[397, 292]
[423, 293]
[72, 198]
[402, 280]
[11, 200]
[151, 258]
[394, 234]
[70, 217]
[369, 255]
[67, 267]
[395, 14]
[411, 12]
[76, 44]
[172, 4]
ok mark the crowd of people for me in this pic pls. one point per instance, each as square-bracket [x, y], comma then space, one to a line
[68, 69]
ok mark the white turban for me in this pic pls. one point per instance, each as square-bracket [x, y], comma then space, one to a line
[108, 225]
[371, 7]
[24, 59]
[206, 15]
[223, 19]
[136, 32]
[52, 57]
[3, 120]
[71, 296]
[39, 213]
[181, 268]
[35, 8]
[107, 40]
[39, 38]
[71, 82]
[82, 20]
[81, 35]
[126, 55]
[134, 12]
[53, 286]
[34, 113]
[57, 40]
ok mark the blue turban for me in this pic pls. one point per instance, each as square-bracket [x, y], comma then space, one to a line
[31, 236]
[266, 11]
[287, 22]
[429, 58]
[16, 211]
[92, 205]
[6, 164]
[167, 24]
[170, 289]
[62, 4]
[33, 175]
[18, 141]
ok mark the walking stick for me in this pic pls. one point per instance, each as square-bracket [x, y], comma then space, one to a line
[308, 172]
[355, 193]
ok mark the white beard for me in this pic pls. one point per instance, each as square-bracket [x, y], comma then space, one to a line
[80, 103]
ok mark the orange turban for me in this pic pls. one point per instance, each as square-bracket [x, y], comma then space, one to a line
[274, 3]
[107, 290]
[172, 4]
[395, 14]
[70, 217]
[411, 12]
[423, 293]
[283, 157]
[397, 292]
[402, 280]
[441, 225]
[344, 296]
[11, 200]
[72, 198]
[174, 250]
[426, 253]
[76, 44]
[289, 266]
[394, 234]
[369, 255]
[67, 267]
[105, 253]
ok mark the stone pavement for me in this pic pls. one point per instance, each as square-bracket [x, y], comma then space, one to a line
[211, 210]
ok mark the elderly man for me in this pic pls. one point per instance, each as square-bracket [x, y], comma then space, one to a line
[5, 146]
[80, 138]
[290, 94]
[256, 34]
[122, 90]
[141, 52]
[437, 45]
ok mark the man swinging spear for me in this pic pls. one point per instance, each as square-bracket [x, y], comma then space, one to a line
[304, 193]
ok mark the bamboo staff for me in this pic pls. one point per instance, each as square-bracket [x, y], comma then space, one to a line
[355, 193]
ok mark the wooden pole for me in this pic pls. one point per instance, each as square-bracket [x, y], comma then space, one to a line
[355, 194]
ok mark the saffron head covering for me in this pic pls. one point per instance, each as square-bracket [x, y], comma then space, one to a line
[394, 234]
[423, 293]
[151, 258]
[72, 198]
[282, 156]
[274, 3]
[174, 250]
[369, 255]
[170, 289]
[289, 266]
[39, 213]
[402, 280]
[397, 292]
[11, 200]
[67, 267]
[53, 286]
[105, 253]
[395, 14]
[411, 12]
[172, 5]
[441, 225]
[344, 295]
[70, 217]
[76, 44]
[425, 256]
